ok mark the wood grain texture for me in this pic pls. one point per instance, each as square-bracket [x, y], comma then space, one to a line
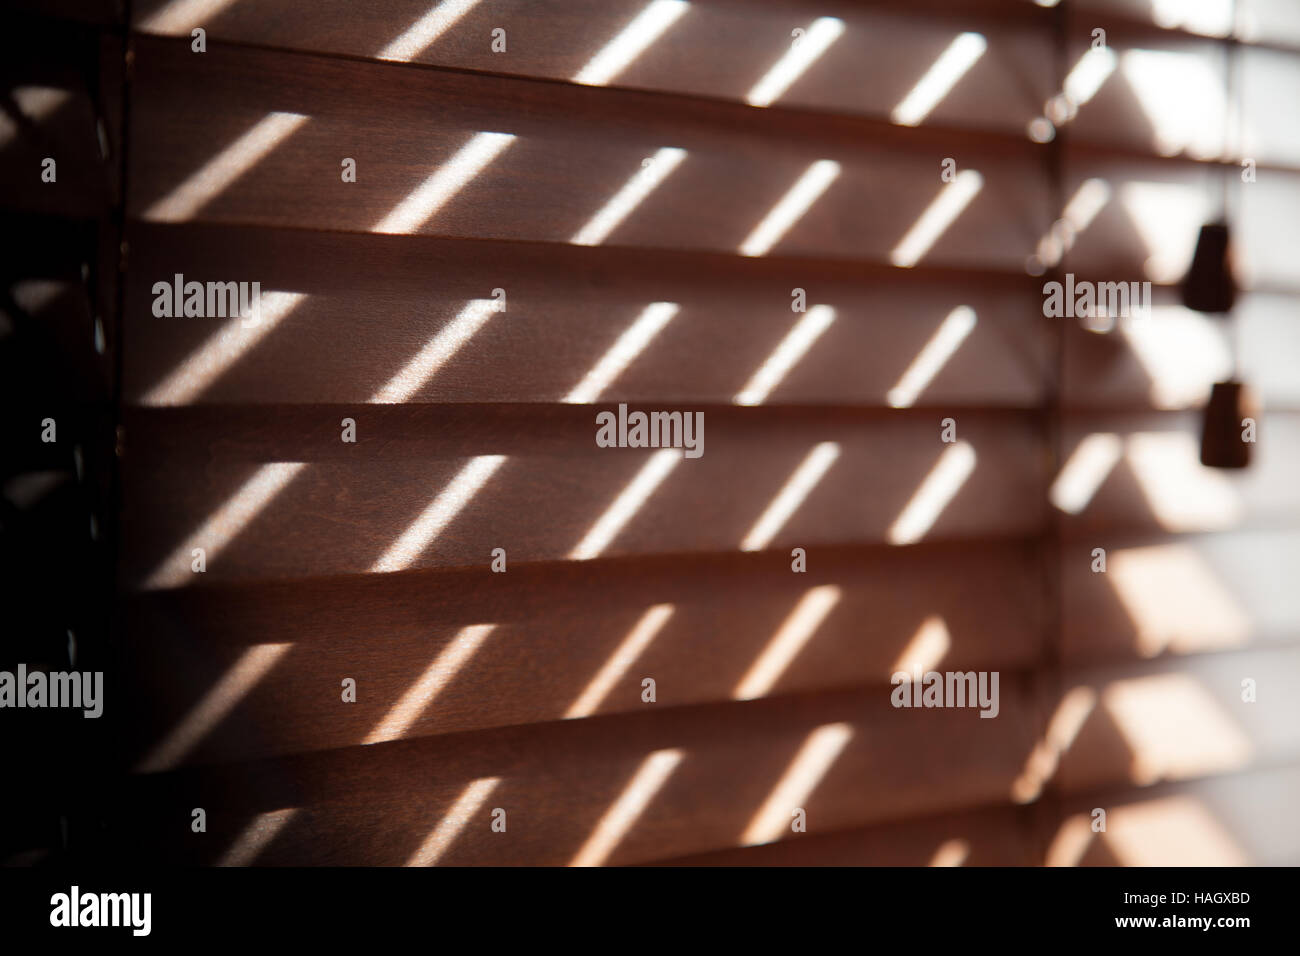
[715, 49]
[575, 148]
[378, 804]
[340, 515]
[371, 303]
[559, 628]
[993, 836]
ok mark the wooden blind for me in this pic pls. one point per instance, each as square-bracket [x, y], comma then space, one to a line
[481, 169]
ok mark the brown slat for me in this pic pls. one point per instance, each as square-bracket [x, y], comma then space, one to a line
[345, 340]
[1000, 836]
[233, 616]
[378, 804]
[715, 49]
[557, 628]
[339, 517]
[1241, 819]
[401, 123]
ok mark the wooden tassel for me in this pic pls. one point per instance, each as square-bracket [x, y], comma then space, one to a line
[1226, 439]
[1209, 285]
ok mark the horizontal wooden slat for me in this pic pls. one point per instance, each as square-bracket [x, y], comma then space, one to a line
[575, 149]
[1180, 595]
[233, 616]
[1144, 474]
[1237, 820]
[998, 836]
[1169, 361]
[1234, 820]
[379, 804]
[566, 308]
[1179, 719]
[715, 49]
[711, 627]
[721, 49]
[340, 516]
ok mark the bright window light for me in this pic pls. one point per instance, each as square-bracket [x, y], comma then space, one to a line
[627, 504]
[940, 486]
[424, 31]
[467, 805]
[636, 37]
[926, 648]
[789, 640]
[623, 352]
[436, 352]
[631, 803]
[449, 179]
[204, 366]
[1089, 74]
[1175, 728]
[181, 16]
[1172, 831]
[634, 191]
[1182, 494]
[953, 198]
[795, 61]
[223, 169]
[815, 757]
[945, 341]
[939, 80]
[256, 837]
[1076, 705]
[815, 181]
[637, 640]
[407, 549]
[253, 665]
[791, 496]
[226, 522]
[1084, 471]
[792, 348]
[1175, 601]
[436, 678]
